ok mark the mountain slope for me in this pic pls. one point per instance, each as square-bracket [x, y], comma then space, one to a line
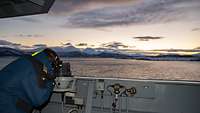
[5, 51]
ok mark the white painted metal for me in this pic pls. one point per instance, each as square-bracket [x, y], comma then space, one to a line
[152, 96]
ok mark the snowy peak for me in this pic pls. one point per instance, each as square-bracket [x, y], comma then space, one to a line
[91, 51]
[66, 49]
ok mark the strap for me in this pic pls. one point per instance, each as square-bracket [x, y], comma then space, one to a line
[24, 106]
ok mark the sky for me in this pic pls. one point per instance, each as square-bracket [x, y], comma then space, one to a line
[128, 24]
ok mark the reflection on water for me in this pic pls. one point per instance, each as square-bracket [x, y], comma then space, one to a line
[124, 68]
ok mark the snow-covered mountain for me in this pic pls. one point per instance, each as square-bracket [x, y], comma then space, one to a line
[71, 51]
[197, 55]
[91, 51]
[5, 51]
[66, 49]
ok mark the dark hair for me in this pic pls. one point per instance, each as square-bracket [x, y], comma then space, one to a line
[50, 52]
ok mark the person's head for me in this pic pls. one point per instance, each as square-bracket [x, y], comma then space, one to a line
[50, 59]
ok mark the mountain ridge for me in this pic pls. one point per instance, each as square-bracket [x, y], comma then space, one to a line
[73, 52]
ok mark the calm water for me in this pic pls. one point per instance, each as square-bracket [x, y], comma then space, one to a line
[123, 68]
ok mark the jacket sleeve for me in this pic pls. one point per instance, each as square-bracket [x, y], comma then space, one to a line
[34, 94]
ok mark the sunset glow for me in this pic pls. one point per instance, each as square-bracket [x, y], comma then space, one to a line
[137, 24]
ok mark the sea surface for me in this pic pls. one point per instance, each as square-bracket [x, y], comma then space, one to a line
[125, 68]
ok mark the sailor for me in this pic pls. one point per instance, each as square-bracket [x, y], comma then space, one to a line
[27, 83]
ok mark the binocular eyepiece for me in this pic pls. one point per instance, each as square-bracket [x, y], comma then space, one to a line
[59, 68]
[65, 70]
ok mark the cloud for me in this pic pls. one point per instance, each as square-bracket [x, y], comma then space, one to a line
[65, 7]
[24, 36]
[104, 30]
[196, 29]
[197, 48]
[29, 19]
[82, 44]
[107, 1]
[29, 35]
[142, 12]
[179, 50]
[114, 45]
[147, 38]
[66, 44]
[40, 45]
[6, 43]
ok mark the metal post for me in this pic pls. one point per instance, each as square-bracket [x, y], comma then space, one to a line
[88, 108]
